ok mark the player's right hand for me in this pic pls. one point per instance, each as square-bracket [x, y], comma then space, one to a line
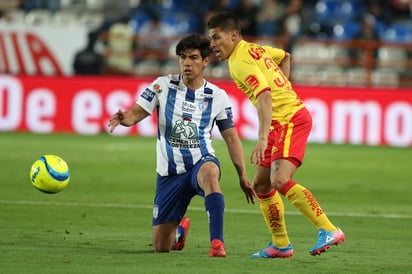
[115, 120]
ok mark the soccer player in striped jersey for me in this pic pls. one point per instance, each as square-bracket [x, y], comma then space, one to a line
[187, 107]
[262, 72]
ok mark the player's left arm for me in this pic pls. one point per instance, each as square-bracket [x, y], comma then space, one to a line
[281, 58]
[236, 153]
[285, 65]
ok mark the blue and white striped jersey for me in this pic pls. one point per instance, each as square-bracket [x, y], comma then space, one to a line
[185, 119]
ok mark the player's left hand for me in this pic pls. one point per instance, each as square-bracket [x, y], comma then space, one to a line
[247, 188]
[258, 153]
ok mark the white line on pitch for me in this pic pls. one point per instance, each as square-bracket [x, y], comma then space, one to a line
[231, 210]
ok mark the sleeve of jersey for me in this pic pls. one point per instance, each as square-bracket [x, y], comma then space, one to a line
[278, 55]
[148, 98]
[224, 118]
[251, 76]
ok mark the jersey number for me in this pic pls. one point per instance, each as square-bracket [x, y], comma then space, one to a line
[280, 80]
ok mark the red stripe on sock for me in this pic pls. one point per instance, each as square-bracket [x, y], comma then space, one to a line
[285, 188]
[267, 195]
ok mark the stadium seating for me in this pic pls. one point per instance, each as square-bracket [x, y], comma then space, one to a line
[384, 78]
[317, 60]
[398, 33]
[17, 16]
[38, 17]
[147, 67]
[392, 58]
[346, 30]
[65, 18]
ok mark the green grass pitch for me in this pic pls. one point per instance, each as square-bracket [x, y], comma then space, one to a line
[101, 223]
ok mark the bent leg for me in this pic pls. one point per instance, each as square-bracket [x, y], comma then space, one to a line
[163, 236]
[300, 197]
[208, 180]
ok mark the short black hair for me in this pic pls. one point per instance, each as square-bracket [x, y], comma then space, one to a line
[224, 20]
[194, 41]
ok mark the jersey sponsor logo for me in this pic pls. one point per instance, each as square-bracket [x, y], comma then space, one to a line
[188, 107]
[252, 82]
[148, 95]
[184, 134]
[256, 52]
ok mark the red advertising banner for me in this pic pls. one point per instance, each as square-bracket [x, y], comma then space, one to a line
[83, 105]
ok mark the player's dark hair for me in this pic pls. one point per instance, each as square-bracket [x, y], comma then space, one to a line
[224, 20]
[194, 41]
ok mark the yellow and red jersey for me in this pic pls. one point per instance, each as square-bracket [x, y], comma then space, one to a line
[255, 69]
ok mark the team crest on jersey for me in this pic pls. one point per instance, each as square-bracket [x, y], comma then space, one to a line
[252, 82]
[155, 211]
[157, 88]
[184, 134]
[203, 105]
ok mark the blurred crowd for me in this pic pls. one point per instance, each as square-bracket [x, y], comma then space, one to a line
[133, 31]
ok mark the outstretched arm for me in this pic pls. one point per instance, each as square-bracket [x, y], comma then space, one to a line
[129, 118]
[236, 154]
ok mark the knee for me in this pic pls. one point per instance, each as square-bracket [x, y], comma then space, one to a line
[208, 179]
[262, 187]
[278, 182]
[159, 247]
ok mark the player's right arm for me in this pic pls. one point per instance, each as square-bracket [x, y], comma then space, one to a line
[264, 111]
[128, 118]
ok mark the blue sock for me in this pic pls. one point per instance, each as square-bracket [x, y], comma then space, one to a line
[180, 233]
[215, 207]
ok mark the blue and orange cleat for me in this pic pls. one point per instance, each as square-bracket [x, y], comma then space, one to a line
[217, 248]
[180, 244]
[272, 251]
[326, 239]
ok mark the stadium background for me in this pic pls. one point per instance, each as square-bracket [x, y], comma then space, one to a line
[359, 89]
[101, 222]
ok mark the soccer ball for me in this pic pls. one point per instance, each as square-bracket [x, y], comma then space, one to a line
[50, 174]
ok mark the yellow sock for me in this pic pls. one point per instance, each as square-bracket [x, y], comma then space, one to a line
[271, 206]
[306, 203]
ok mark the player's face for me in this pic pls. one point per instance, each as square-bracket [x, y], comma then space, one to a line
[192, 64]
[222, 42]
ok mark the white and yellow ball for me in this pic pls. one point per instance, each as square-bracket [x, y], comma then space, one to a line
[50, 174]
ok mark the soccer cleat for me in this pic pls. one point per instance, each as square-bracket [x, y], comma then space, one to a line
[217, 248]
[272, 251]
[180, 244]
[326, 239]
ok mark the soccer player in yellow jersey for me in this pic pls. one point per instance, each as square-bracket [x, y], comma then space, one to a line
[262, 72]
